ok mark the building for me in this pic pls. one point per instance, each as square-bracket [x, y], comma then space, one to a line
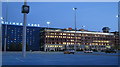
[14, 37]
[55, 39]
[60, 39]
[117, 42]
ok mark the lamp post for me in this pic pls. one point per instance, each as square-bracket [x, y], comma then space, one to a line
[119, 23]
[5, 37]
[48, 23]
[25, 11]
[75, 27]
[1, 19]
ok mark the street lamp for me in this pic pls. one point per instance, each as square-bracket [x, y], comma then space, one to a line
[74, 9]
[1, 19]
[25, 11]
[119, 22]
[5, 40]
[48, 23]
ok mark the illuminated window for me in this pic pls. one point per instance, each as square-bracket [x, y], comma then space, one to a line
[72, 34]
[59, 42]
[79, 34]
[60, 33]
[64, 42]
[51, 46]
[78, 38]
[60, 36]
[72, 43]
[68, 37]
[56, 46]
[64, 36]
[72, 40]
[60, 46]
[68, 42]
[64, 33]
[52, 33]
[68, 34]
[96, 43]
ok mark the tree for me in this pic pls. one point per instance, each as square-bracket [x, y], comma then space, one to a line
[19, 47]
[13, 47]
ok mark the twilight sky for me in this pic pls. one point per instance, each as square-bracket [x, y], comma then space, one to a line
[92, 15]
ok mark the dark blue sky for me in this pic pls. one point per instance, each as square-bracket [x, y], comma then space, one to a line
[93, 15]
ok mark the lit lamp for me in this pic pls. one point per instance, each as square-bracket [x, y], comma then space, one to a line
[48, 24]
[1, 19]
[74, 8]
[48, 35]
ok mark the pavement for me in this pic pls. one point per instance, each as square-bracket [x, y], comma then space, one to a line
[59, 58]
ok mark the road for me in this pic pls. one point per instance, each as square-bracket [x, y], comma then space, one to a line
[58, 58]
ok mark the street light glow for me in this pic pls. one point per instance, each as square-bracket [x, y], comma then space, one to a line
[32, 24]
[1, 18]
[117, 16]
[17, 23]
[28, 24]
[48, 22]
[35, 24]
[2, 22]
[21, 24]
[38, 25]
[10, 23]
[74, 8]
[14, 23]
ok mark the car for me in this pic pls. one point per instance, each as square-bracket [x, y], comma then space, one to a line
[88, 51]
[69, 51]
[94, 50]
[110, 51]
[103, 50]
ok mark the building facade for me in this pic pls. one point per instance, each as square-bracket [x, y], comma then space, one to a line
[117, 41]
[14, 37]
[60, 39]
[55, 39]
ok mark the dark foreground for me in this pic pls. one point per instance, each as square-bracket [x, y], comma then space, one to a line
[58, 58]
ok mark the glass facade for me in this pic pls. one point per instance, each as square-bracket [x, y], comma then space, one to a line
[14, 37]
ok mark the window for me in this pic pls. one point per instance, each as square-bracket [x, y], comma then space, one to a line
[72, 34]
[64, 33]
[64, 42]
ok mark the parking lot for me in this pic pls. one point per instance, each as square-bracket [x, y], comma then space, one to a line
[59, 58]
